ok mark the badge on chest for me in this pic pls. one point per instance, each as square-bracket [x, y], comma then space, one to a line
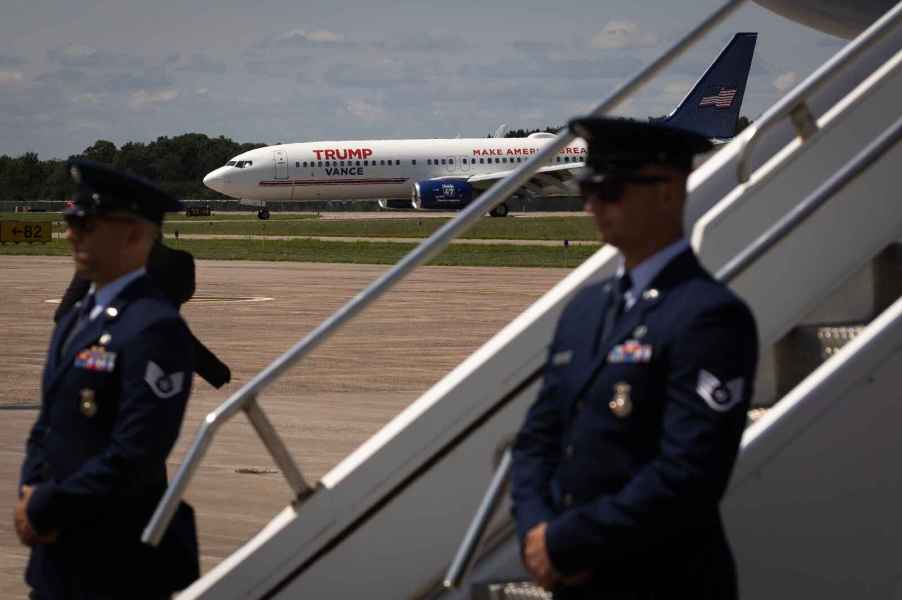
[96, 358]
[630, 351]
[87, 403]
[622, 403]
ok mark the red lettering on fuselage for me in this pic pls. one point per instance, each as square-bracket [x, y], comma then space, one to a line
[501, 151]
[341, 153]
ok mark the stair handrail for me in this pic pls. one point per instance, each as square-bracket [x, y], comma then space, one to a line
[795, 106]
[427, 249]
[465, 556]
[816, 199]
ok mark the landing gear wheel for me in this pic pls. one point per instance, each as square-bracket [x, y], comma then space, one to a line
[263, 214]
[499, 211]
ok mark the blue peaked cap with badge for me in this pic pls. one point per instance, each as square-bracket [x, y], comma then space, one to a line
[102, 190]
[623, 146]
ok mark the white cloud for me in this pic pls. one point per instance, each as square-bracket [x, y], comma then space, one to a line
[7, 77]
[87, 99]
[143, 99]
[202, 91]
[8, 60]
[77, 53]
[364, 110]
[200, 63]
[302, 37]
[623, 35]
[786, 81]
[324, 36]
[379, 74]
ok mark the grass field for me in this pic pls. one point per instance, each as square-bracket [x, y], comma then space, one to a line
[476, 255]
[540, 228]
[59, 225]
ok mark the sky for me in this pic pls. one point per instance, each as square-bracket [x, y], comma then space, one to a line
[271, 71]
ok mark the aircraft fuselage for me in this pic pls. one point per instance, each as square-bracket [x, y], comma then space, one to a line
[371, 169]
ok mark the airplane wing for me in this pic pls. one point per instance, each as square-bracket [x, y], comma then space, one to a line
[550, 180]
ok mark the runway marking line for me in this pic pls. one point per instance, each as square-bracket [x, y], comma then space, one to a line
[204, 299]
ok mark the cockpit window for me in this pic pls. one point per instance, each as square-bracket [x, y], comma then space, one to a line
[231, 163]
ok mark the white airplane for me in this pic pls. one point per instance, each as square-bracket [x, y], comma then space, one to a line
[429, 174]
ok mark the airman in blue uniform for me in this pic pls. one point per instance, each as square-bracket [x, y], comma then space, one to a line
[116, 382]
[623, 459]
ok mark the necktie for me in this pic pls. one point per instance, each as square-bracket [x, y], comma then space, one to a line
[84, 314]
[616, 308]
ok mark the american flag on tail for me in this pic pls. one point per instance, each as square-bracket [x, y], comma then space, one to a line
[722, 99]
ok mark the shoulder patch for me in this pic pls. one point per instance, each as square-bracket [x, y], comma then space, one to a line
[719, 396]
[561, 358]
[164, 385]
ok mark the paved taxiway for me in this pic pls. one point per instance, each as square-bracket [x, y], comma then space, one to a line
[362, 215]
[349, 238]
[345, 392]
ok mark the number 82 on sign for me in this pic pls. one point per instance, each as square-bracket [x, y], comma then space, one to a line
[25, 231]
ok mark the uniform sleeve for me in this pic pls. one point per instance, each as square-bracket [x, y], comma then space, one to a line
[155, 380]
[34, 452]
[536, 454]
[709, 385]
[34, 444]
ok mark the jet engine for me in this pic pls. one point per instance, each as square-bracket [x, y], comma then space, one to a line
[449, 194]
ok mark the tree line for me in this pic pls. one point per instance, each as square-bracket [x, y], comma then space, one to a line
[177, 164]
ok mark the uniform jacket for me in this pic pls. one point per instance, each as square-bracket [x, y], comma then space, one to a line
[628, 449]
[172, 271]
[111, 410]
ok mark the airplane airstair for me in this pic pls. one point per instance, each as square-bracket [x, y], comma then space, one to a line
[800, 214]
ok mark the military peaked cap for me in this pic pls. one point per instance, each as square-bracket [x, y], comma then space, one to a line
[622, 146]
[103, 190]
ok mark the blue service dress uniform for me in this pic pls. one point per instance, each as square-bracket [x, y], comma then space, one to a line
[629, 447]
[111, 409]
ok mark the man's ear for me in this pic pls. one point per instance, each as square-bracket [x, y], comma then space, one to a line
[141, 233]
[135, 232]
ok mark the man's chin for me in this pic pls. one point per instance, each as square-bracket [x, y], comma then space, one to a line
[81, 268]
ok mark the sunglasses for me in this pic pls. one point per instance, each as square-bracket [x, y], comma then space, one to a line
[88, 223]
[612, 187]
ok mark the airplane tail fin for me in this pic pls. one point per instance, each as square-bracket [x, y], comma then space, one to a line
[712, 107]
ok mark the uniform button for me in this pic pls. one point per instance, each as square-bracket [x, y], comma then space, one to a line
[568, 451]
[568, 500]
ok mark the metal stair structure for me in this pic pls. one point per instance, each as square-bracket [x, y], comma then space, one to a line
[794, 211]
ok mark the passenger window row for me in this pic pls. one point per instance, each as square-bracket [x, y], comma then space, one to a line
[388, 163]
[348, 163]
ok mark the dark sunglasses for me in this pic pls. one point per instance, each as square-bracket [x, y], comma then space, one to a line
[88, 223]
[611, 188]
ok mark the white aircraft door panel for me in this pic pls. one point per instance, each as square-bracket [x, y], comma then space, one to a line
[464, 163]
[280, 164]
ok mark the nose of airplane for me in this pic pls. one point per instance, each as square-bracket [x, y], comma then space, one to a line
[215, 179]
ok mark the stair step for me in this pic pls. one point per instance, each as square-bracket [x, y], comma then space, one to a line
[806, 347]
[511, 590]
